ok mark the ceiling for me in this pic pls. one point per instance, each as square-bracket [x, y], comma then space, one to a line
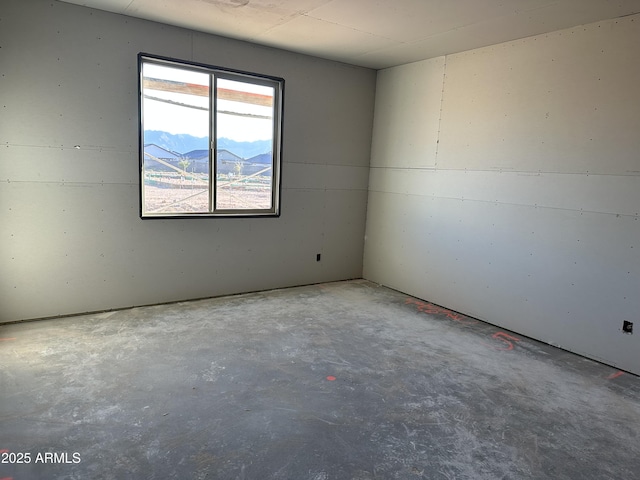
[372, 33]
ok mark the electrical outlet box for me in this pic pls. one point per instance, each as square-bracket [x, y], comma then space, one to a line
[627, 327]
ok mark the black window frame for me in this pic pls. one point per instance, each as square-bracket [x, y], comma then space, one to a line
[229, 74]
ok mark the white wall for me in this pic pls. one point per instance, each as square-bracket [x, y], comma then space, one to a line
[70, 236]
[505, 184]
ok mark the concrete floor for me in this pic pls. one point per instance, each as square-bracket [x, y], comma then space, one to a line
[345, 380]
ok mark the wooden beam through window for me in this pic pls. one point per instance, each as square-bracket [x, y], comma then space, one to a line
[203, 91]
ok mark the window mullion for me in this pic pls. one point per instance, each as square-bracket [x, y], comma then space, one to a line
[213, 144]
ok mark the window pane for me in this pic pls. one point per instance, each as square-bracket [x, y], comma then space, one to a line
[244, 126]
[175, 117]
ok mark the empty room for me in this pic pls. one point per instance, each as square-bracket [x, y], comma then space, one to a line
[319, 239]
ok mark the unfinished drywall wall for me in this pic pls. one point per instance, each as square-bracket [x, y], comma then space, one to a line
[508, 187]
[70, 237]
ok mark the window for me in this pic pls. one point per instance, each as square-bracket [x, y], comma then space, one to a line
[210, 140]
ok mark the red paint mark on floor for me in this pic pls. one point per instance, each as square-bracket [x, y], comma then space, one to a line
[615, 375]
[4, 450]
[4, 340]
[432, 309]
[6, 478]
[331, 378]
[506, 339]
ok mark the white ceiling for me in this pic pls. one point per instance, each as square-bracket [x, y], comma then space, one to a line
[372, 33]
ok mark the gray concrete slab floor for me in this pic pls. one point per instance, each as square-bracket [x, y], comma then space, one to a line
[345, 380]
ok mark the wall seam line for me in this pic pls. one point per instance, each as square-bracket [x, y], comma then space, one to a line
[511, 204]
[444, 75]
